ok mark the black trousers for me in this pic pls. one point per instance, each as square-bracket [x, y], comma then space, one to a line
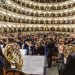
[49, 60]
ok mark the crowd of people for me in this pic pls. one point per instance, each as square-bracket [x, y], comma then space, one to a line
[44, 44]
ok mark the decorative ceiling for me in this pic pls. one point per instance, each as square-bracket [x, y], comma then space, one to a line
[49, 1]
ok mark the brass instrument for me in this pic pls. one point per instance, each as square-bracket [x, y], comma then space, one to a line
[13, 55]
[69, 49]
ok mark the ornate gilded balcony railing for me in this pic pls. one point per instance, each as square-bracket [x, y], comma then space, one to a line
[10, 16]
[46, 6]
[49, 1]
[30, 12]
[21, 27]
[13, 18]
[9, 24]
[19, 16]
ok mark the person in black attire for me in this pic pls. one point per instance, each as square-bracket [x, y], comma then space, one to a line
[40, 50]
[19, 43]
[28, 46]
[2, 68]
[52, 50]
[7, 64]
[69, 68]
[25, 46]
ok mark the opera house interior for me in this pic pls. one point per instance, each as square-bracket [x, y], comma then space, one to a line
[37, 37]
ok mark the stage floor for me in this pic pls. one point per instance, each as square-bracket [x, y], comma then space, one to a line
[52, 71]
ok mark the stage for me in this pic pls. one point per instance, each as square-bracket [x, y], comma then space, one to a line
[52, 71]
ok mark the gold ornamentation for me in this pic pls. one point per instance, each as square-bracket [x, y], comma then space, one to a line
[12, 53]
[69, 49]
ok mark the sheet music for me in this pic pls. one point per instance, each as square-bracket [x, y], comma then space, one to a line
[33, 64]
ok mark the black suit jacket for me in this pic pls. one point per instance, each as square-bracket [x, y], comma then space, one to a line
[70, 65]
[40, 50]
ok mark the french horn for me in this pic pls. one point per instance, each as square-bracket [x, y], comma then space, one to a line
[13, 55]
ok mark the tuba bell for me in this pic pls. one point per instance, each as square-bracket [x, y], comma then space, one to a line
[13, 55]
[69, 49]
